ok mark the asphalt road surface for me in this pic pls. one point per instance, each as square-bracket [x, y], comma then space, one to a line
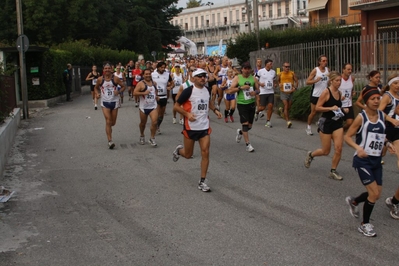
[79, 203]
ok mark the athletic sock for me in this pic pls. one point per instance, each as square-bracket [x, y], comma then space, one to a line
[394, 200]
[226, 113]
[361, 198]
[202, 180]
[367, 209]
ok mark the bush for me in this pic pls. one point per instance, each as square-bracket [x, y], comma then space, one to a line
[300, 108]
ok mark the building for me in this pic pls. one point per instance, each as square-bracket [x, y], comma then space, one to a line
[332, 12]
[212, 22]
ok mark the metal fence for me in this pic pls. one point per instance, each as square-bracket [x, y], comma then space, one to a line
[365, 53]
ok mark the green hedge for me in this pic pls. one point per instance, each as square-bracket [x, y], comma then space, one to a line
[247, 42]
[300, 108]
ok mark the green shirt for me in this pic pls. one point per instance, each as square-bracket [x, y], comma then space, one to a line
[243, 96]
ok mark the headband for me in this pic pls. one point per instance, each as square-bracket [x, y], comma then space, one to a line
[392, 81]
[368, 92]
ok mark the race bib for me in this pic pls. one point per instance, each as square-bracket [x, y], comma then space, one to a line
[374, 144]
[287, 86]
[338, 114]
[269, 85]
[137, 78]
[247, 94]
[94, 81]
[150, 98]
[177, 83]
[161, 90]
[130, 75]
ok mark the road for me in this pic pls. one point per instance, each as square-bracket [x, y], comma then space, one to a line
[78, 203]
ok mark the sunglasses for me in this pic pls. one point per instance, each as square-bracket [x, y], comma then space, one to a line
[201, 76]
[287, 66]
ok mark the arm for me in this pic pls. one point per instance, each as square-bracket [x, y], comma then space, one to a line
[90, 76]
[234, 86]
[171, 83]
[120, 83]
[97, 87]
[359, 102]
[138, 90]
[310, 80]
[357, 123]
[384, 102]
[296, 82]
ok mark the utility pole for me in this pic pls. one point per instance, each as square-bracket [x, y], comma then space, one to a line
[248, 15]
[23, 43]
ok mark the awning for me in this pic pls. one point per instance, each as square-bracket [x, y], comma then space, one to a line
[316, 5]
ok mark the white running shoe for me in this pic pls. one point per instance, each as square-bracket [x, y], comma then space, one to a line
[239, 136]
[152, 142]
[367, 230]
[111, 145]
[309, 132]
[174, 120]
[176, 154]
[204, 187]
[142, 140]
[249, 148]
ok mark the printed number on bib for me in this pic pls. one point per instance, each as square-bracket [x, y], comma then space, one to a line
[160, 90]
[374, 144]
[287, 86]
[247, 94]
[202, 106]
[130, 75]
[269, 85]
[137, 78]
[94, 81]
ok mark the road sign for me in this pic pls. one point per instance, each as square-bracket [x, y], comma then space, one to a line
[22, 43]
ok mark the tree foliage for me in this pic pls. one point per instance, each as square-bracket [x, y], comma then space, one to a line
[136, 25]
[247, 42]
[193, 3]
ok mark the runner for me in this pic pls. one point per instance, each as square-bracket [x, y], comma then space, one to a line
[330, 124]
[369, 128]
[178, 80]
[288, 83]
[193, 103]
[120, 75]
[318, 78]
[92, 77]
[137, 76]
[347, 93]
[146, 91]
[374, 78]
[246, 87]
[129, 77]
[390, 105]
[106, 88]
[220, 74]
[164, 83]
[229, 99]
[267, 81]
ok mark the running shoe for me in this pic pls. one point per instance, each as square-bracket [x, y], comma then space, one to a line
[232, 119]
[158, 131]
[95, 107]
[394, 208]
[353, 209]
[309, 132]
[256, 117]
[308, 159]
[137, 105]
[142, 140]
[261, 114]
[268, 124]
[239, 136]
[176, 154]
[204, 187]
[181, 122]
[226, 120]
[174, 120]
[334, 175]
[367, 230]
[152, 142]
[249, 148]
[289, 124]
[111, 145]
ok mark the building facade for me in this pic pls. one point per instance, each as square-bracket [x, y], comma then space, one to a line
[332, 12]
[212, 22]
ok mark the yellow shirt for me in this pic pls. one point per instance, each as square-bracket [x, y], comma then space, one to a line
[286, 81]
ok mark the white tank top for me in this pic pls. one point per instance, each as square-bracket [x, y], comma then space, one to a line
[178, 79]
[120, 76]
[322, 84]
[346, 91]
[148, 101]
[107, 91]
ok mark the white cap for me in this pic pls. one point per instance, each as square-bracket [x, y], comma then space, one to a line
[177, 65]
[199, 71]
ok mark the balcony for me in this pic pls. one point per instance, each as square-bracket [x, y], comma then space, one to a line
[340, 21]
[368, 5]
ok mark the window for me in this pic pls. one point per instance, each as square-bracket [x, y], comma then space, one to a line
[191, 23]
[218, 18]
[225, 20]
[213, 19]
[279, 9]
[270, 10]
[344, 7]
[186, 26]
[287, 8]
[196, 22]
[202, 21]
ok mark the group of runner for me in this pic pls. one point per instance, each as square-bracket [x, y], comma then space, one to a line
[197, 86]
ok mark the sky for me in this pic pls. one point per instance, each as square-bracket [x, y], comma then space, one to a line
[182, 3]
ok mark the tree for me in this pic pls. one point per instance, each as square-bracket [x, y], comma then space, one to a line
[194, 3]
[136, 25]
